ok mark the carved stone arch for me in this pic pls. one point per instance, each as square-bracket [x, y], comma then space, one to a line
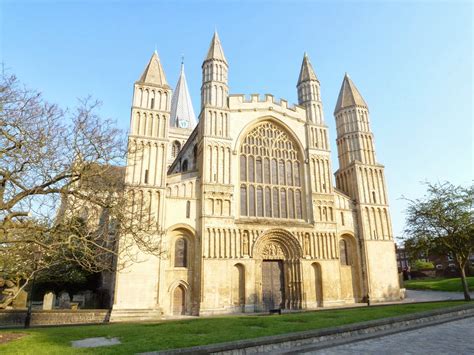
[290, 247]
[180, 299]
[278, 250]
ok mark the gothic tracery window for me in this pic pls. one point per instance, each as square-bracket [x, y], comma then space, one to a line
[270, 174]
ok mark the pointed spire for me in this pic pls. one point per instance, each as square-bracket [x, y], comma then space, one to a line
[154, 73]
[307, 71]
[182, 112]
[349, 95]
[215, 49]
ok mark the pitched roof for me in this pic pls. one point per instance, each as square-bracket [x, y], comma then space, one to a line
[307, 71]
[215, 49]
[181, 104]
[154, 73]
[349, 95]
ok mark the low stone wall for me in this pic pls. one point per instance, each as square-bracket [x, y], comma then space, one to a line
[16, 318]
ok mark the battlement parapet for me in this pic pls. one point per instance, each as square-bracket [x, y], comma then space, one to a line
[267, 101]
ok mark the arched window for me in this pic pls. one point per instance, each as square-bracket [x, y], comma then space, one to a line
[181, 253]
[269, 165]
[195, 156]
[344, 252]
[184, 167]
[188, 209]
[175, 149]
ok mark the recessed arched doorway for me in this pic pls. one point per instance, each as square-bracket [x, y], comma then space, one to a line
[318, 284]
[179, 300]
[278, 271]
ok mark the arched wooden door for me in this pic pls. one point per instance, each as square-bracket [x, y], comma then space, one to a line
[179, 301]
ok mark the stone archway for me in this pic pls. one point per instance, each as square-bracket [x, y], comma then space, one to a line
[179, 300]
[278, 271]
[349, 268]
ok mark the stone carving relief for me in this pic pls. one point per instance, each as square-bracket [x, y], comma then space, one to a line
[272, 251]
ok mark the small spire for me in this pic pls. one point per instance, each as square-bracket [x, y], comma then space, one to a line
[154, 73]
[307, 71]
[181, 105]
[349, 95]
[215, 49]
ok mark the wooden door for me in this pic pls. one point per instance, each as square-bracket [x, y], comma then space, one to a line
[179, 301]
[273, 284]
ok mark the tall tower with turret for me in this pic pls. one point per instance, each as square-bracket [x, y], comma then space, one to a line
[361, 177]
[319, 154]
[214, 157]
[145, 180]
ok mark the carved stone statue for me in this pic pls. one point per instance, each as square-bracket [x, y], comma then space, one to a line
[245, 243]
[306, 245]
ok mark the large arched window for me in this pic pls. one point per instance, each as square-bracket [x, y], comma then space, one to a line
[270, 183]
[344, 252]
[181, 253]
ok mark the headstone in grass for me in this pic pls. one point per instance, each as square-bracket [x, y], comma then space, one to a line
[64, 300]
[94, 342]
[49, 300]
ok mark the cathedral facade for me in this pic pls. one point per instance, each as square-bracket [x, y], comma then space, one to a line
[244, 201]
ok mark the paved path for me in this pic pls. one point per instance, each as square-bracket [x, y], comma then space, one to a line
[456, 337]
[423, 296]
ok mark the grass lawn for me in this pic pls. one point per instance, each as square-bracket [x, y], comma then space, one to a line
[142, 337]
[439, 284]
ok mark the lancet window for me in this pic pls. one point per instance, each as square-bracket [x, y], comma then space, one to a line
[270, 183]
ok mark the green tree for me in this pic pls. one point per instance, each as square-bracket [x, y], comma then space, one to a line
[62, 194]
[443, 222]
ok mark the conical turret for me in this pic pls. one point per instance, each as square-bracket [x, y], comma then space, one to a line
[154, 73]
[214, 89]
[182, 112]
[307, 72]
[349, 96]
[215, 49]
[309, 92]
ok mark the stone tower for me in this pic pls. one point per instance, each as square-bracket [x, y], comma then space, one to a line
[214, 154]
[361, 177]
[145, 179]
[309, 96]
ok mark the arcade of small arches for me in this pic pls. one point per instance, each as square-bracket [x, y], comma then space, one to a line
[277, 255]
[151, 99]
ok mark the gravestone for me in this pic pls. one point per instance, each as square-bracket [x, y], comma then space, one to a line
[79, 299]
[64, 300]
[20, 300]
[49, 301]
[89, 299]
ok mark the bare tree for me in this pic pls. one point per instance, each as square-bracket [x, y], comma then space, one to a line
[62, 193]
[443, 222]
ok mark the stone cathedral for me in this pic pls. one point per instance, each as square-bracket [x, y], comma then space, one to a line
[247, 212]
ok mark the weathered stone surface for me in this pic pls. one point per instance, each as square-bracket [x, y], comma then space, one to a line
[49, 301]
[64, 300]
[253, 182]
[20, 301]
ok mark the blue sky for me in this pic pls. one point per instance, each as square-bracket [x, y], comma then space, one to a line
[412, 62]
